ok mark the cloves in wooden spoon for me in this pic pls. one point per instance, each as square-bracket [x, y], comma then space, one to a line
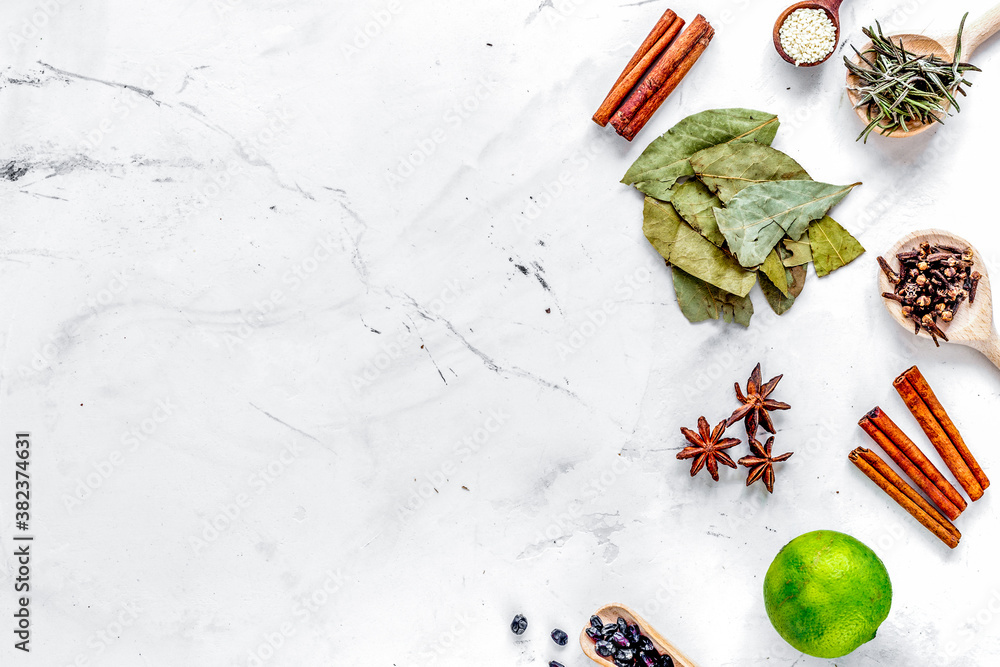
[973, 322]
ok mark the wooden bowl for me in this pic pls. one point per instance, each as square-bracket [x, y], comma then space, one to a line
[609, 613]
[832, 9]
[973, 323]
[974, 36]
[915, 44]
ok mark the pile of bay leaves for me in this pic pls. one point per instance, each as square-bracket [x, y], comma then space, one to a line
[723, 208]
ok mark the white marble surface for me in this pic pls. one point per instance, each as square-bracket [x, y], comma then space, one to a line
[296, 401]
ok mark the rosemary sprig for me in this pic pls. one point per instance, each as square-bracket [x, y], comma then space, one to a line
[900, 89]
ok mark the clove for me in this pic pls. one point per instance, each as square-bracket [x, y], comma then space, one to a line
[931, 282]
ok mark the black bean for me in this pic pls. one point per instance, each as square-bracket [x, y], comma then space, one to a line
[519, 625]
[596, 622]
[553, 663]
[666, 661]
[594, 633]
[645, 644]
[608, 630]
[653, 656]
[622, 625]
[559, 637]
[649, 661]
[604, 649]
[633, 632]
[625, 656]
[619, 639]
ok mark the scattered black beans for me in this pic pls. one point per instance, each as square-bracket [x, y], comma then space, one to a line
[553, 663]
[625, 644]
[559, 637]
[519, 625]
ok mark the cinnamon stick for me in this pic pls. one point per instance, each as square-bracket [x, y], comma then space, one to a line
[905, 495]
[916, 379]
[652, 104]
[942, 443]
[914, 463]
[663, 78]
[655, 43]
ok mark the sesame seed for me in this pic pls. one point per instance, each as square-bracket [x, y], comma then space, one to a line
[808, 35]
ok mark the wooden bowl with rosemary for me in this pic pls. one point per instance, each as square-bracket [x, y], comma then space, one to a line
[903, 85]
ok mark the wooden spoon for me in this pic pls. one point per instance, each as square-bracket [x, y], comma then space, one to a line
[832, 9]
[609, 614]
[973, 323]
[942, 47]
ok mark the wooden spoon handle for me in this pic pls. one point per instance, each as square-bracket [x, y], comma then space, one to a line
[833, 6]
[981, 30]
[990, 347]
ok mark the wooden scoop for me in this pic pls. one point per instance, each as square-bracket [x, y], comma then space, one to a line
[942, 47]
[973, 323]
[609, 614]
[832, 9]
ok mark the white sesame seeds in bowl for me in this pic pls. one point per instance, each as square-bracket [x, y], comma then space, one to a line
[807, 36]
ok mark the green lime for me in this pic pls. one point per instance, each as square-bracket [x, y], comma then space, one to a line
[827, 593]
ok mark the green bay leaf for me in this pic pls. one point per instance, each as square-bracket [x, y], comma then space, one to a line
[729, 168]
[832, 246]
[760, 215]
[775, 271]
[660, 223]
[798, 252]
[666, 159]
[700, 301]
[683, 247]
[795, 278]
[695, 203]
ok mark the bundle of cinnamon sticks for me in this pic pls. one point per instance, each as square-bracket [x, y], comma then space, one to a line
[657, 67]
[943, 434]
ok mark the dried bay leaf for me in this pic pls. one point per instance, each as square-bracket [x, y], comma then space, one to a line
[775, 271]
[729, 168]
[832, 246]
[683, 247]
[666, 159]
[660, 224]
[796, 277]
[799, 252]
[695, 203]
[700, 301]
[780, 303]
[760, 215]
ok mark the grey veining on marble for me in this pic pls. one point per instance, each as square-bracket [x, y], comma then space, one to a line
[340, 343]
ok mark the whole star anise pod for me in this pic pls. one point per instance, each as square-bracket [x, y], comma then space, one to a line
[761, 463]
[756, 404]
[706, 448]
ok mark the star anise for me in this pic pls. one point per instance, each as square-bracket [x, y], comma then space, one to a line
[756, 404]
[706, 448]
[761, 464]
